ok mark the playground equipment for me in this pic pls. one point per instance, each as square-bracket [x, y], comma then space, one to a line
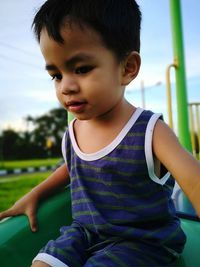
[18, 245]
[186, 137]
[194, 112]
[181, 87]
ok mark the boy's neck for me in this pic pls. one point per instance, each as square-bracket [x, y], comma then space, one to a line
[120, 114]
[104, 129]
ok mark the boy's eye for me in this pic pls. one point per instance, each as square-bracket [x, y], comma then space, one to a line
[56, 77]
[83, 69]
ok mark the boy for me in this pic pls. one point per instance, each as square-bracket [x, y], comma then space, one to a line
[116, 155]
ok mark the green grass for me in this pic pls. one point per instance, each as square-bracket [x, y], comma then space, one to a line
[15, 186]
[18, 164]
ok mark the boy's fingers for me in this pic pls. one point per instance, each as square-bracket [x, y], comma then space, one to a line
[31, 217]
[6, 214]
[32, 221]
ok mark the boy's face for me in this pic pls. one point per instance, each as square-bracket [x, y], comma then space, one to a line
[87, 76]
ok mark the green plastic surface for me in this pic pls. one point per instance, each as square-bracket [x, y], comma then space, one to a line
[18, 245]
[191, 253]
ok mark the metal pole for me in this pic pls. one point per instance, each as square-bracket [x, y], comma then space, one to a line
[181, 89]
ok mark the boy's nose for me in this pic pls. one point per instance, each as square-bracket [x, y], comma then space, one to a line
[69, 85]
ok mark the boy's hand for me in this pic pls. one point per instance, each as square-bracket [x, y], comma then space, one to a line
[26, 205]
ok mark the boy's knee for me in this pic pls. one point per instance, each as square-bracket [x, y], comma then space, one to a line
[40, 264]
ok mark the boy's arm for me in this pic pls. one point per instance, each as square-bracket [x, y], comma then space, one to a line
[57, 180]
[181, 164]
[28, 203]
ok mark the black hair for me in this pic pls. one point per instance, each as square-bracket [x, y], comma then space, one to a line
[116, 21]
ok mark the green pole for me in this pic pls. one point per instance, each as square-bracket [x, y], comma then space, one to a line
[181, 89]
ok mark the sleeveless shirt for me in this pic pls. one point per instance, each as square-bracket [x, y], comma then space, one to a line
[115, 192]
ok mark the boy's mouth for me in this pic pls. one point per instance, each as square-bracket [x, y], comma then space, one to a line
[75, 106]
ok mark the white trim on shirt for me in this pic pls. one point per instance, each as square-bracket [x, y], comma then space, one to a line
[63, 147]
[52, 261]
[109, 148]
[149, 153]
[106, 150]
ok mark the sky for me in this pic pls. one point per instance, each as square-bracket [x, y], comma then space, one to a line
[26, 89]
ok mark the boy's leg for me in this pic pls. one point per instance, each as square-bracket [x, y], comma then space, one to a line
[130, 254]
[67, 250]
[40, 264]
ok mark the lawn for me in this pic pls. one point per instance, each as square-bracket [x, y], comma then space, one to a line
[15, 186]
[19, 164]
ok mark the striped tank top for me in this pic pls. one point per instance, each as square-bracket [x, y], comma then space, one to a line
[115, 191]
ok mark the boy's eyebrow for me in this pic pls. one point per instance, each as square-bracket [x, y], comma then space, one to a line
[71, 62]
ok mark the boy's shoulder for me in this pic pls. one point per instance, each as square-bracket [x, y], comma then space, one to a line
[149, 115]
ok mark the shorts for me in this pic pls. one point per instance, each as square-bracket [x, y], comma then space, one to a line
[76, 247]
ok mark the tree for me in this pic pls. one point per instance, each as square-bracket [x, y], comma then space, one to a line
[33, 143]
[50, 126]
[10, 143]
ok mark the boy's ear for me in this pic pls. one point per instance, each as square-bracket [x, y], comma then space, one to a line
[131, 67]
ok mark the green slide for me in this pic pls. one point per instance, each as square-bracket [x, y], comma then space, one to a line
[18, 245]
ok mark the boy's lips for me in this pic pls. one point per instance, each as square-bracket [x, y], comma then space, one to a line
[75, 106]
